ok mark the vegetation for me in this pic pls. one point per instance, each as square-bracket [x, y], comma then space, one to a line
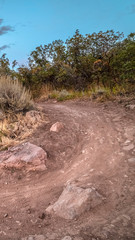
[13, 96]
[81, 63]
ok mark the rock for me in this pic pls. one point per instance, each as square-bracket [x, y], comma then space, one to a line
[2, 115]
[25, 154]
[131, 160]
[131, 106]
[33, 117]
[34, 237]
[129, 133]
[74, 201]
[51, 236]
[78, 238]
[67, 238]
[129, 147]
[56, 127]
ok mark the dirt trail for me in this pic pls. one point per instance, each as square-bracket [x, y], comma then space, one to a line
[94, 148]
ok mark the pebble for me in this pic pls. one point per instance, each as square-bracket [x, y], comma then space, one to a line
[131, 106]
[131, 160]
[129, 147]
[34, 237]
[67, 238]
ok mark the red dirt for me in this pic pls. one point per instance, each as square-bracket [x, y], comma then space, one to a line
[89, 151]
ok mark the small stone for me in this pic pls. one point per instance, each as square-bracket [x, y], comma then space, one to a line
[51, 236]
[83, 151]
[129, 147]
[34, 237]
[42, 216]
[5, 215]
[131, 106]
[127, 142]
[56, 127]
[29, 211]
[131, 160]
[67, 238]
[18, 222]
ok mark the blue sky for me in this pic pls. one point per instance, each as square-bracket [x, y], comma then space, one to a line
[36, 22]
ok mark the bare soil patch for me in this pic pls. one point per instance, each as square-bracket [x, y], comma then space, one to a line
[93, 149]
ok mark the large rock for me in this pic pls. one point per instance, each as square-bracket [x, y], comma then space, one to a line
[25, 154]
[74, 201]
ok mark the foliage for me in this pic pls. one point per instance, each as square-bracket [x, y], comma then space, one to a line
[104, 59]
[4, 65]
[13, 96]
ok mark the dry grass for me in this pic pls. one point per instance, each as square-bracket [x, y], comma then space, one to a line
[16, 128]
[44, 92]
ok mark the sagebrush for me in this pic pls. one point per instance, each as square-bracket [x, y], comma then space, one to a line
[14, 97]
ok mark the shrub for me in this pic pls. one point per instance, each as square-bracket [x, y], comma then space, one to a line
[13, 96]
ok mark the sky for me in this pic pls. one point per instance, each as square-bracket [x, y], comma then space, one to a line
[26, 24]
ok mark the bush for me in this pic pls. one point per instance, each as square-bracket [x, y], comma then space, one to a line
[13, 96]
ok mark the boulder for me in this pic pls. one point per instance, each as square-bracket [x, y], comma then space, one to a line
[25, 154]
[56, 127]
[74, 201]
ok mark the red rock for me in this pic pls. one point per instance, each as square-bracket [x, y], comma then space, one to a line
[25, 154]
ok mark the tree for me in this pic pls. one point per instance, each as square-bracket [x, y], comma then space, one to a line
[123, 62]
[75, 49]
[4, 65]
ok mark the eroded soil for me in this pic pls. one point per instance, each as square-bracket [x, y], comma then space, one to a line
[93, 149]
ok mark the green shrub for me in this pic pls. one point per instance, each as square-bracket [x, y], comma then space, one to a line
[13, 96]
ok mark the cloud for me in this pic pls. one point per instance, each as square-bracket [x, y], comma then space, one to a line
[5, 29]
[4, 47]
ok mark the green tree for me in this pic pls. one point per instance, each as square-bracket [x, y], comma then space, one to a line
[4, 65]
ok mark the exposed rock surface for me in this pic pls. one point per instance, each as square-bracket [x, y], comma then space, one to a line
[74, 201]
[25, 154]
[56, 127]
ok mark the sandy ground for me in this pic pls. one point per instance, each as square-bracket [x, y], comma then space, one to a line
[95, 149]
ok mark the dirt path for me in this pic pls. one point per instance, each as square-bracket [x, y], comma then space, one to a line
[95, 148]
